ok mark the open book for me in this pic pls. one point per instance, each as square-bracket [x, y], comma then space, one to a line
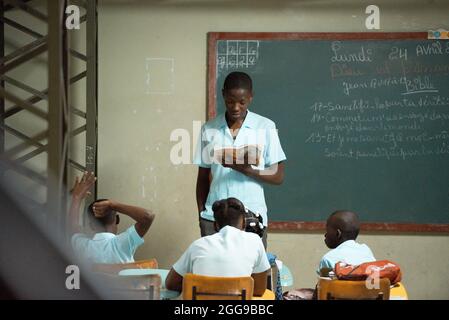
[246, 154]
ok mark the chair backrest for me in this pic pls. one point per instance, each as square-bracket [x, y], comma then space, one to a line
[117, 267]
[196, 287]
[141, 287]
[353, 290]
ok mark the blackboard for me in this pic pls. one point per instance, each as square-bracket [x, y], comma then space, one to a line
[363, 119]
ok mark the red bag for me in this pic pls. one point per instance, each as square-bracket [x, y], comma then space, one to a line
[381, 269]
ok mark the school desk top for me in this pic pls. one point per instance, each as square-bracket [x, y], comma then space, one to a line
[165, 294]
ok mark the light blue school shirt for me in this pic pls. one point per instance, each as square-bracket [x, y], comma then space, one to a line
[226, 182]
[106, 247]
[349, 252]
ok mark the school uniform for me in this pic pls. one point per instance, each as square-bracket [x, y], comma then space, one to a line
[226, 182]
[106, 247]
[228, 253]
[349, 252]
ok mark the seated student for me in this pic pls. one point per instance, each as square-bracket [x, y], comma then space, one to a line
[342, 229]
[231, 252]
[106, 246]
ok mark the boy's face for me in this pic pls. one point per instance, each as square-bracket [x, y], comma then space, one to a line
[332, 236]
[237, 102]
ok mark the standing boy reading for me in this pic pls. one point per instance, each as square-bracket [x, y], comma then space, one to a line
[244, 180]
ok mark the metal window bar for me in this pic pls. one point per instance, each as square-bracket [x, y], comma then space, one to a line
[58, 117]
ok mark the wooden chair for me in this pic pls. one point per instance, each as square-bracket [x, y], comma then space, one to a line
[352, 290]
[196, 287]
[117, 267]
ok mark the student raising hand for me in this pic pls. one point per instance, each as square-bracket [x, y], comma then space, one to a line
[81, 187]
[79, 191]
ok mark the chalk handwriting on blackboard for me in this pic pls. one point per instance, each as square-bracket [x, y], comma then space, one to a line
[381, 128]
[339, 55]
[433, 48]
[371, 115]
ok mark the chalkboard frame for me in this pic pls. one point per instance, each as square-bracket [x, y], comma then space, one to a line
[213, 37]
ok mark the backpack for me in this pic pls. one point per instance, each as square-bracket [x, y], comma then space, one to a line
[383, 268]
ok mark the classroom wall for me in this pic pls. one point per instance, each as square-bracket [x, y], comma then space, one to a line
[137, 116]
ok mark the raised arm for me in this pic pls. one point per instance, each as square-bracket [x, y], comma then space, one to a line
[202, 188]
[144, 218]
[79, 192]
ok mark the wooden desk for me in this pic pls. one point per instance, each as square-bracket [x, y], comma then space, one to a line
[267, 295]
[398, 292]
[164, 293]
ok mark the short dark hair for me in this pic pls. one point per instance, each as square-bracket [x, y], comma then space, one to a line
[348, 222]
[228, 212]
[104, 221]
[238, 80]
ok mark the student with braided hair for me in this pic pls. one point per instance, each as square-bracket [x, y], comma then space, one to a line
[230, 252]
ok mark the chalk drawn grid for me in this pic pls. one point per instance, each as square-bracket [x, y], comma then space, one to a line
[232, 54]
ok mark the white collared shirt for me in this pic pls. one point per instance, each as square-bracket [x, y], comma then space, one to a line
[349, 252]
[228, 253]
[106, 247]
[226, 183]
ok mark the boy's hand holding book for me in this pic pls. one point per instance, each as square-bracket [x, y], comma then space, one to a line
[246, 155]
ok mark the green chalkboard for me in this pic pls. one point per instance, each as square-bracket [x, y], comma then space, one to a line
[363, 120]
